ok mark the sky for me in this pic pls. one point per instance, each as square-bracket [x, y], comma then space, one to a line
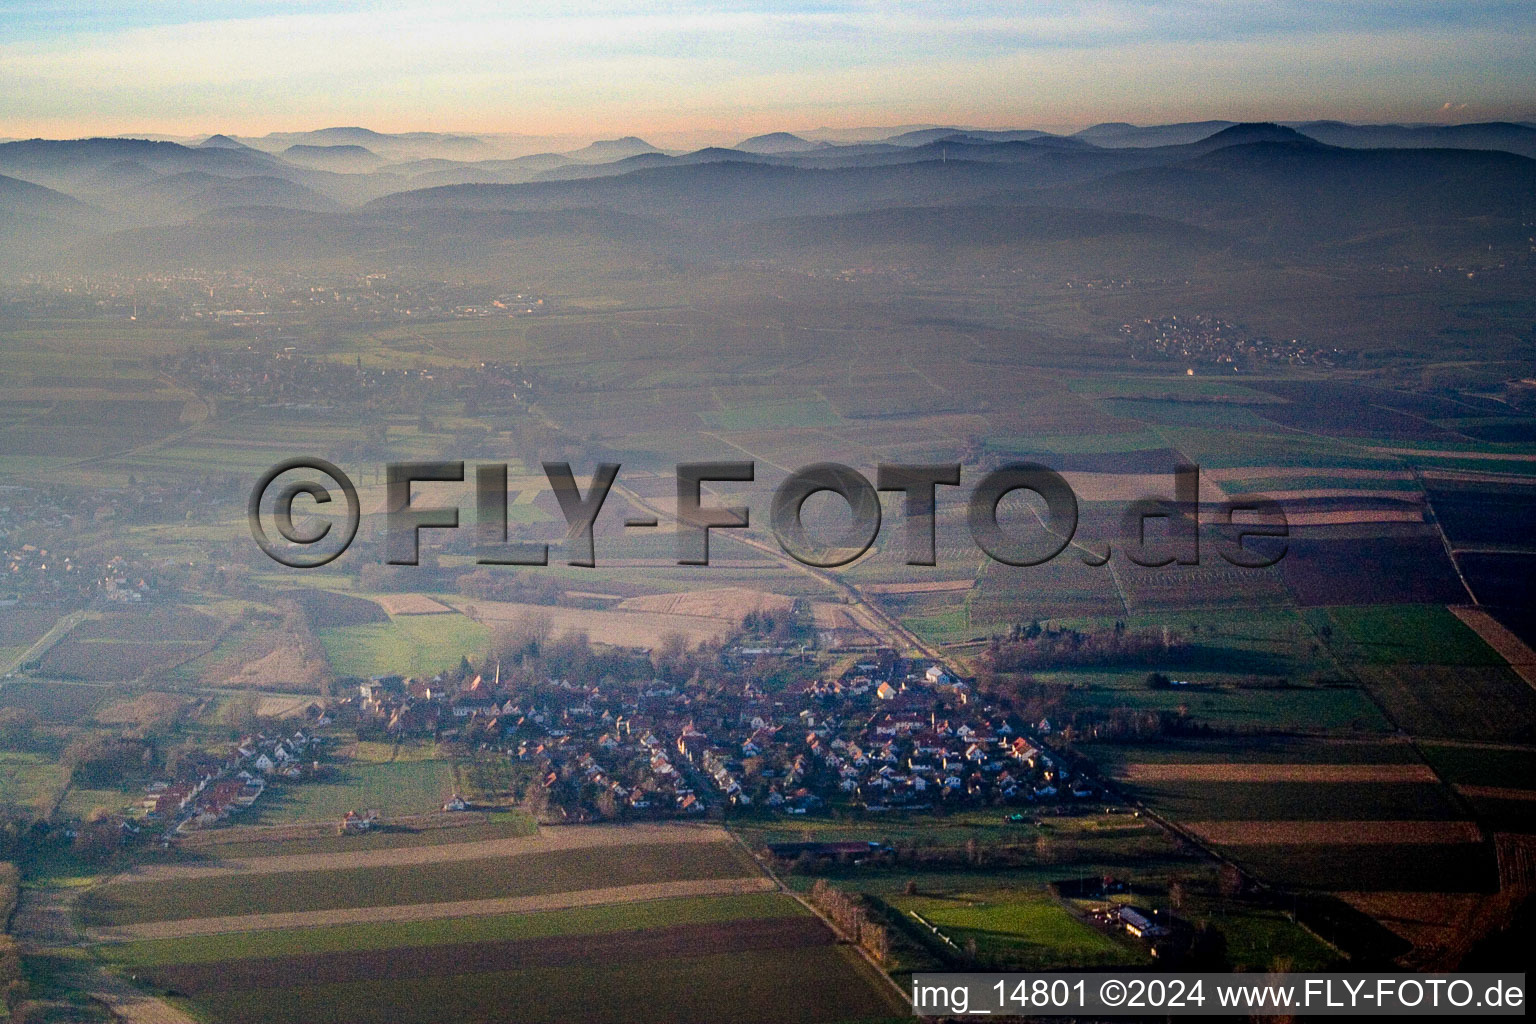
[668, 67]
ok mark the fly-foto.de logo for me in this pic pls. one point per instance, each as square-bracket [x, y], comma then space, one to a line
[1175, 538]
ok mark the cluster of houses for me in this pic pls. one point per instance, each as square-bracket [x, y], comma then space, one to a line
[73, 573]
[207, 789]
[1209, 339]
[890, 734]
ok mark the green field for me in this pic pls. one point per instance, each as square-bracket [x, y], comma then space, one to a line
[1454, 701]
[393, 788]
[815, 412]
[497, 825]
[1023, 930]
[942, 627]
[1092, 833]
[409, 644]
[1258, 937]
[1339, 709]
[1483, 766]
[1404, 635]
[79, 803]
[32, 782]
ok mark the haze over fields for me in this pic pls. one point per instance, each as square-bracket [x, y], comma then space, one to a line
[443, 781]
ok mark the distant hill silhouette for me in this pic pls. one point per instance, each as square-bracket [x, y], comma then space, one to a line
[25, 197]
[606, 150]
[776, 142]
[181, 195]
[344, 159]
[1119, 133]
[1255, 188]
[221, 142]
[1505, 135]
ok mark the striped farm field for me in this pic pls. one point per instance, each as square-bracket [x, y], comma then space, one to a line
[1496, 793]
[1334, 833]
[1510, 647]
[718, 958]
[422, 934]
[440, 881]
[373, 916]
[551, 839]
[1258, 772]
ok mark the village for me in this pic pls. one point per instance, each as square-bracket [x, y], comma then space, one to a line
[890, 734]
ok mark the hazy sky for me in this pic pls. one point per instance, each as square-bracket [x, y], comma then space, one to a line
[103, 67]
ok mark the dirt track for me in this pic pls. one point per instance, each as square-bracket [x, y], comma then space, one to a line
[1256, 772]
[1334, 833]
[432, 911]
[1510, 647]
[43, 922]
[128, 1005]
[548, 840]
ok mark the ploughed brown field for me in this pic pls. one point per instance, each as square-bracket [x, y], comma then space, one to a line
[1353, 833]
[1260, 772]
[1496, 793]
[411, 604]
[475, 957]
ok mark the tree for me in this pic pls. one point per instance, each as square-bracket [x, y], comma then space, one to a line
[98, 761]
[522, 636]
[672, 659]
[98, 838]
[569, 655]
[1208, 949]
